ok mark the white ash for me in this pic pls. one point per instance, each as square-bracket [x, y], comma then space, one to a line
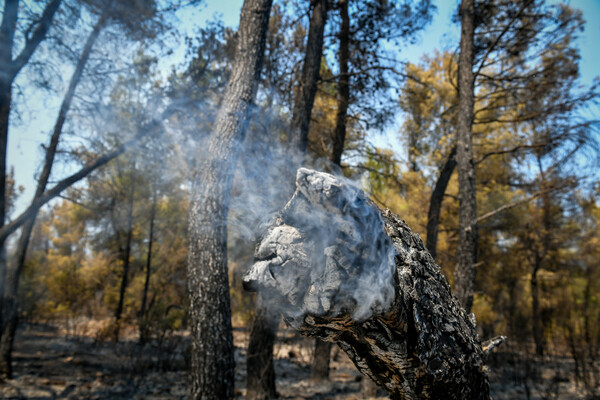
[326, 254]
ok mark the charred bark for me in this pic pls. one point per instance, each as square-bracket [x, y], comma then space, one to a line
[143, 321]
[340, 269]
[126, 256]
[320, 363]
[261, 373]
[303, 103]
[212, 366]
[7, 35]
[435, 203]
[339, 135]
[464, 276]
[536, 315]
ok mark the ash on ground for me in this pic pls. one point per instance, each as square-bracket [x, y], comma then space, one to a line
[53, 364]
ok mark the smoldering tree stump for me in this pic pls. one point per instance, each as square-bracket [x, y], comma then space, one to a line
[339, 268]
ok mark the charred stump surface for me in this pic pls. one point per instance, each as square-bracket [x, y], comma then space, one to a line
[339, 268]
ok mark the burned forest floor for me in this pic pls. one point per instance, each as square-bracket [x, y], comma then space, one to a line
[51, 363]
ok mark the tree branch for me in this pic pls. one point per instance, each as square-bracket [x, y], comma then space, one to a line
[523, 201]
[38, 202]
[38, 35]
[497, 39]
[512, 150]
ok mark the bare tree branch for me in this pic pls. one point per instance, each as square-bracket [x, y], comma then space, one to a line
[37, 203]
[38, 35]
[497, 39]
[568, 183]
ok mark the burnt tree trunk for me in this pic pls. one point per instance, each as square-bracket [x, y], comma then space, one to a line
[126, 255]
[340, 269]
[435, 203]
[260, 372]
[464, 276]
[7, 35]
[536, 316]
[339, 135]
[7, 334]
[305, 97]
[143, 321]
[320, 364]
[212, 359]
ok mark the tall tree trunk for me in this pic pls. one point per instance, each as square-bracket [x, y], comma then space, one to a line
[7, 31]
[320, 363]
[143, 323]
[260, 371]
[464, 276]
[307, 88]
[9, 298]
[126, 256]
[208, 285]
[435, 203]
[339, 135]
[539, 255]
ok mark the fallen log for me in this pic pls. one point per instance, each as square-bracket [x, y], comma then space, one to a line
[339, 268]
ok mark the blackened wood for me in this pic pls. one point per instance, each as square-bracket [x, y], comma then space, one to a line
[464, 275]
[435, 203]
[259, 367]
[339, 135]
[212, 360]
[305, 97]
[125, 253]
[143, 328]
[320, 363]
[312, 263]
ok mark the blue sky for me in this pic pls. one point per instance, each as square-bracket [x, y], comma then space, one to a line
[26, 137]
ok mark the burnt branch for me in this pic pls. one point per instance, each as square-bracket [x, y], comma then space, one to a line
[340, 269]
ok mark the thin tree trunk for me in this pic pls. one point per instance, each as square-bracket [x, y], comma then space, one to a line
[126, 256]
[7, 31]
[538, 329]
[10, 299]
[538, 258]
[320, 363]
[339, 136]
[143, 321]
[260, 372]
[464, 276]
[435, 203]
[307, 89]
[208, 284]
